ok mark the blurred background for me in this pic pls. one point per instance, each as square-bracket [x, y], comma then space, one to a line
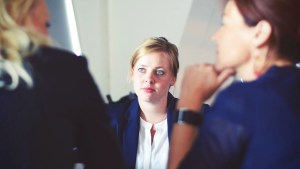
[108, 31]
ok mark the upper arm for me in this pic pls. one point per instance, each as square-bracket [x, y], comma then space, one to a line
[221, 139]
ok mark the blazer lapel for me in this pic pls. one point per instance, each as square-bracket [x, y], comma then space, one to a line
[170, 111]
[131, 134]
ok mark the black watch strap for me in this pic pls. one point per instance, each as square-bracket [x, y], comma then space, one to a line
[186, 116]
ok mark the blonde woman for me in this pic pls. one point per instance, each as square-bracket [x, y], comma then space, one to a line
[51, 112]
[143, 121]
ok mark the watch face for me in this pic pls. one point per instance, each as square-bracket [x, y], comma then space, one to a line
[185, 116]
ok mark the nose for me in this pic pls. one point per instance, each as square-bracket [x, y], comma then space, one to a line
[215, 36]
[149, 78]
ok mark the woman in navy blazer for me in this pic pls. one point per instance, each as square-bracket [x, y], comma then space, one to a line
[51, 112]
[125, 115]
[143, 121]
[255, 122]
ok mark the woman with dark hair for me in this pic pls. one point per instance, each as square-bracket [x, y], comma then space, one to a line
[253, 123]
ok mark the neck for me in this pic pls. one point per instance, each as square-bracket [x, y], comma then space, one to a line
[153, 112]
[245, 72]
[282, 63]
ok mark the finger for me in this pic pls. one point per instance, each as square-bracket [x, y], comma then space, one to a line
[224, 75]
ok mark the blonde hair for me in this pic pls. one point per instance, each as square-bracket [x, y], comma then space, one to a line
[16, 42]
[157, 44]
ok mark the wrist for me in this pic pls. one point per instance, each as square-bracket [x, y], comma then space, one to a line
[190, 101]
[185, 115]
[190, 104]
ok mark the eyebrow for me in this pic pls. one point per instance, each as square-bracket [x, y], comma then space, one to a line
[141, 65]
[158, 67]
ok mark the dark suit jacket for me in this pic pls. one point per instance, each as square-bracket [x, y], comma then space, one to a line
[58, 121]
[252, 125]
[125, 115]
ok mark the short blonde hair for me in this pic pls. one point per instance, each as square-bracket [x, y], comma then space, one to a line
[157, 44]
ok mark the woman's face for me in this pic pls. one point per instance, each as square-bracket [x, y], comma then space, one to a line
[152, 77]
[233, 40]
[40, 17]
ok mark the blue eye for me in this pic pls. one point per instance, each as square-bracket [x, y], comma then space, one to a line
[160, 72]
[142, 70]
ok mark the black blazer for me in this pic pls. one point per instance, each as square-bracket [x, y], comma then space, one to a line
[125, 120]
[60, 121]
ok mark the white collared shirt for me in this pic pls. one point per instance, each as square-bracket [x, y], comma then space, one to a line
[155, 155]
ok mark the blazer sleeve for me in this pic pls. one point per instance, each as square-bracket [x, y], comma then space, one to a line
[221, 139]
[98, 146]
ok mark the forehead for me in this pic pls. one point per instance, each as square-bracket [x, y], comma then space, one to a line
[229, 8]
[231, 11]
[158, 59]
[40, 6]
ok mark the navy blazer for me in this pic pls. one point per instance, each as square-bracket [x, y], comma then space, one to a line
[125, 116]
[252, 125]
[62, 116]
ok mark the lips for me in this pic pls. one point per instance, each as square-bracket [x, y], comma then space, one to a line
[148, 90]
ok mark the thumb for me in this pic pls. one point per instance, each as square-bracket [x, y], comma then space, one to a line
[224, 75]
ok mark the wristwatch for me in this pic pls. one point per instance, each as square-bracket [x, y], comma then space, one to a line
[187, 116]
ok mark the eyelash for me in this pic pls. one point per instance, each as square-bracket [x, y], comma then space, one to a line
[47, 24]
[160, 72]
[142, 70]
[157, 72]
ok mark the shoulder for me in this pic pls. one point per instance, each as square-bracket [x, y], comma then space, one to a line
[172, 101]
[239, 91]
[120, 107]
[52, 57]
[238, 102]
[62, 71]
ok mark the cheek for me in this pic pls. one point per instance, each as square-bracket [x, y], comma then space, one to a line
[232, 51]
[136, 85]
[165, 84]
[136, 76]
[40, 25]
[137, 80]
[40, 17]
[232, 58]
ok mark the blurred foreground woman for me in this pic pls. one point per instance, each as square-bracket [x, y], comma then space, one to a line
[253, 123]
[51, 112]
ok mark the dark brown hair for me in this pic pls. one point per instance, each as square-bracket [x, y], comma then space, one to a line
[284, 17]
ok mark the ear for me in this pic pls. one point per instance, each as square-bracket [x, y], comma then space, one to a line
[173, 81]
[131, 73]
[263, 31]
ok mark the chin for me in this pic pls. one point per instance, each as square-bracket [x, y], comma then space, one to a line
[144, 97]
[219, 67]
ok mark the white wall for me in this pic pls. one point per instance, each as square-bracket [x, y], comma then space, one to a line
[132, 21]
[196, 45]
[109, 31]
[92, 23]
